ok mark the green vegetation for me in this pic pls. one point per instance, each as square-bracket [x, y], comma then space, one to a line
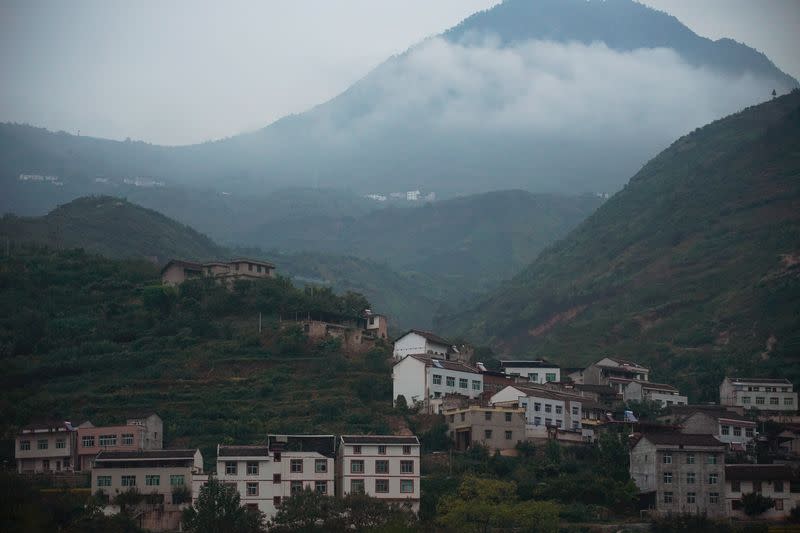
[692, 268]
[218, 509]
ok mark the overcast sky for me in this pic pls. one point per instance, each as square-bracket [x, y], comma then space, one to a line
[186, 71]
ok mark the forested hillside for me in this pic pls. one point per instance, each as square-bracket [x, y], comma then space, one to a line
[693, 268]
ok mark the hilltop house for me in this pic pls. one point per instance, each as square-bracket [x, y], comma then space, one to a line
[615, 372]
[537, 371]
[770, 395]
[177, 271]
[774, 481]
[679, 473]
[421, 379]
[142, 433]
[46, 447]
[382, 466]
[496, 427]
[356, 334]
[641, 391]
[418, 342]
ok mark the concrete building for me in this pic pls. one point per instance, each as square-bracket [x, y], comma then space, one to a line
[418, 342]
[539, 371]
[769, 395]
[549, 413]
[497, 428]
[177, 271]
[647, 391]
[381, 466]
[46, 447]
[145, 432]
[771, 481]
[729, 427]
[266, 475]
[423, 380]
[615, 372]
[680, 473]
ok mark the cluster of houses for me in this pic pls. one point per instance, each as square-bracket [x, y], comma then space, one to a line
[678, 462]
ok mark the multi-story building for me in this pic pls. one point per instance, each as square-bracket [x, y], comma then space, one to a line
[498, 428]
[771, 395]
[771, 481]
[548, 412]
[177, 271]
[729, 427]
[680, 473]
[381, 466]
[423, 380]
[539, 371]
[418, 342]
[140, 433]
[647, 391]
[266, 475]
[615, 372]
[46, 447]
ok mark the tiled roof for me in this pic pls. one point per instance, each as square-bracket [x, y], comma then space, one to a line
[550, 394]
[447, 365]
[780, 381]
[147, 455]
[428, 335]
[656, 386]
[540, 363]
[624, 363]
[380, 439]
[758, 472]
[180, 262]
[322, 444]
[683, 412]
[669, 438]
[242, 451]
[46, 425]
[254, 261]
[596, 389]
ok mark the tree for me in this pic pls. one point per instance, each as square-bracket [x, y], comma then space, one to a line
[755, 504]
[218, 510]
[305, 511]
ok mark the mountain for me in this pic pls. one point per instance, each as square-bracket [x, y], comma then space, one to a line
[693, 268]
[544, 95]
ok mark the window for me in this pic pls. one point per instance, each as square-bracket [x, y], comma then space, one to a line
[487, 434]
[713, 497]
[487, 415]
[690, 477]
[296, 487]
[276, 501]
[320, 465]
[451, 381]
[382, 449]
[258, 268]
[476, 385]
[788, 401]
[533, 376]
[252, 468]
[508, 417]
[128, 481]
[778, 505]
[748, 432]
[357, 467]
[152, 480]
[463, 383]
[230, 468]
[537, 421]
[406, 450]
[61, 444]
[103, 481]
[250, 268]
[321, 487]
[381, 467]
[550, 377]
[537, 407]
[276, 478]
[463, 417]
[576, 425]
[667, 459]
[773, 400]
[24, 445]
[726, 430]
[778, 486]
[406, 486]
[406, 467]
[177, 480]
[548, 421]
[357, 486]
[558, 423]
[509, 435]
[381, 485]
[296, 465]
[559, 410]
[41, 444]
[575, 410]
[746, 399]
[667, 477]
[357, 450]
[712, 459]
[713, 477]
[736, 486]
[689, 458]
[759, 400]
[548, 408]
[691, 497]
[127, 439]
[437, 379]
[252, 489]
[108, 440]
[667, 497]
[277, 457]
[737, 431]
[46, 464]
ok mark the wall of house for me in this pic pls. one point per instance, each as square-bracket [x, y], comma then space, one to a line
[535, 374]
[474, 382]
[408, 379]
[760, 396]
[416, 344]
[542, 411]
[369, 455]
[785, 500]
[51, 459]
[643, 466]
[664, 398]
[500, 423]
[164, 486]
[88, 442]
[173, 275]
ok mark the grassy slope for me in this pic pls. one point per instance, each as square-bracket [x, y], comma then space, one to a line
[692, 268]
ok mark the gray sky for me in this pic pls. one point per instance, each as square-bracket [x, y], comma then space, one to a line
[187, 71]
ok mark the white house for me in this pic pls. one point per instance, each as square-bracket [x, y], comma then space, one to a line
[266, 475]
[418, 342]
[665, 395]
[545, 408]
[762, 394]
[539, 371]
[382, 466]
[772, 481]
[424, 380]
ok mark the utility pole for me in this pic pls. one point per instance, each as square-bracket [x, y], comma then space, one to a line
[259, 321]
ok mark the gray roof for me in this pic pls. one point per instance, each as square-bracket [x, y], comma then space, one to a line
[322, 444]
[780, 381]
[428, 335]
[380, 439]
[447, 365]
[539, 363]
[242, 451]
[758, 472]
[147, 455]
[669, 438]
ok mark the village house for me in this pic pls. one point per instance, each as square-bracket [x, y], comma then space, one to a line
[177, 271]
[498, 428]
[615, 372]
[145, 432]
[647, 391]
[768, 395]
[423, 380]
[266, 475]
[164, 476]
[46, 447]
[774, 481]
[729, 427]
[356, 334]
[382, 466]
[418, 342]
[680, 473]
[538, 371]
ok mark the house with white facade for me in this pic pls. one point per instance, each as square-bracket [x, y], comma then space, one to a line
[615, 372]
[426, 381]
[734, 430]
[418, 342]
[265, 475]
[46, 447]
[647, 391]
[381, 466]
[773, 481]
[537, 371]
[769, 395]
[548, 413]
